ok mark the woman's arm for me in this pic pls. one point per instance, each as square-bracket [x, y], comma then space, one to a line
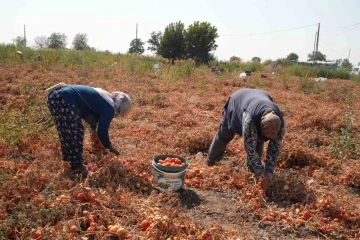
[250, 136]
[273, 151]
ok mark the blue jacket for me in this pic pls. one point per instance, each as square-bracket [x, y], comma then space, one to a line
[92, 107]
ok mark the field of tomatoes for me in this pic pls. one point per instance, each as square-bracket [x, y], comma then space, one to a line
[314, 194]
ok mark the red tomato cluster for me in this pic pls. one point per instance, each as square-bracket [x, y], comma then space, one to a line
[171, 162]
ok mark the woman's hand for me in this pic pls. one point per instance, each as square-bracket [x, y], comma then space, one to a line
[96, 144]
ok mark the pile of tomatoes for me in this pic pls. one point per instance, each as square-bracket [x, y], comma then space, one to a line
[171, 162]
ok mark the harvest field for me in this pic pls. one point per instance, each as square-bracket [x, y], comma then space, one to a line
[315, 193]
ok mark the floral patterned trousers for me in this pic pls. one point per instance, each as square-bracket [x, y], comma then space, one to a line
[69, 127]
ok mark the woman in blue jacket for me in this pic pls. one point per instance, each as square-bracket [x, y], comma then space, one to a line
[69, 104]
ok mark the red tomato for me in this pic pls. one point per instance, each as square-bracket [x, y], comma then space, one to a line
[80, 197]
[73, 229]
[145, 224]
[113, 229]
[171, 162]
[306, 215]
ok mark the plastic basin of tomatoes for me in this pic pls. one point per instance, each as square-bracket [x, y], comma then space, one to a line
[170, 163]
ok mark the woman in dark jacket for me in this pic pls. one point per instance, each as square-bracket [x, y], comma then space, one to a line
[69, 104]
[252, 114]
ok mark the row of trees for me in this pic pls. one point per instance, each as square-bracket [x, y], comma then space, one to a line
[57, 40]
[237, 59]
[196, 42]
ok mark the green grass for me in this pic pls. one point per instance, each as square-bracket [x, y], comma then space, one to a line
[344, 144]
[32, 117]
[3, 178]
[174, 73]
[235, 66]
[133, 63]
[316, 72]
[310, 86]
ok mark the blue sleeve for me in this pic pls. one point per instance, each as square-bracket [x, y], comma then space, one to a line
[103, 127]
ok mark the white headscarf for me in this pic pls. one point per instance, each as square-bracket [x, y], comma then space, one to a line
[270, 125]
[120, 101]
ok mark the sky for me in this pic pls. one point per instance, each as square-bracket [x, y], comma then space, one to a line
[246, 28]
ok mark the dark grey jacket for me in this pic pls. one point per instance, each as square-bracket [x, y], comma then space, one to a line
[242, 115]
[256, 102]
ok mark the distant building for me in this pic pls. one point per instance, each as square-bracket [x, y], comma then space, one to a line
[330, 64]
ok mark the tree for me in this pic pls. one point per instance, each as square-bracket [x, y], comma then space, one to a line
[338, 62]
[41, 41]
[316, 56]
[136, 46]
[19, 41]
[292, 57]
[267, 62]
[80, 42]
[57, 40]
[154, 42]
[235, 59]
[200, 41]
[346, 64]
[172, 43]
[256, 59]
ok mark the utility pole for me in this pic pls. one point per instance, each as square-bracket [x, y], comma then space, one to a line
[24, 36]
[314, 45]
[317, 39]
[136, 30]
[349, 55]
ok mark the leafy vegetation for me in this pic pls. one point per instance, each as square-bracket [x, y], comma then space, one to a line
[136, 46]
[80, 42]
[292, 57]
[172, 44]
[154, 42]
[57, 40]
[200, 41]
[256, 59]
[316, 56]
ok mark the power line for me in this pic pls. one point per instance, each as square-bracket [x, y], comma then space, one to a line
[261, 33]
[343, 32]
[343, 26]
[329, 47]
[97, 31]
[44, 30]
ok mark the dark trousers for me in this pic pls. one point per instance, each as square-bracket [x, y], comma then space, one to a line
[221, 139]
[219, 143]
[70, 129]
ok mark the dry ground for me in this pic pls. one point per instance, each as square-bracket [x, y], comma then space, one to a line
[315, 193]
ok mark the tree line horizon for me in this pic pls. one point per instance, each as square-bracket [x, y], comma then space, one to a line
[197, 42]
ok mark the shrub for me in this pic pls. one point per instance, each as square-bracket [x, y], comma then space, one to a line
[311, 86]
[318, 71]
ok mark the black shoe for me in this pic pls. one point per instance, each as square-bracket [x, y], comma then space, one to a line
[210, 163]
[81, 170]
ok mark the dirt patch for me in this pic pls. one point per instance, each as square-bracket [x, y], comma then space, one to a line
[227, 210]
